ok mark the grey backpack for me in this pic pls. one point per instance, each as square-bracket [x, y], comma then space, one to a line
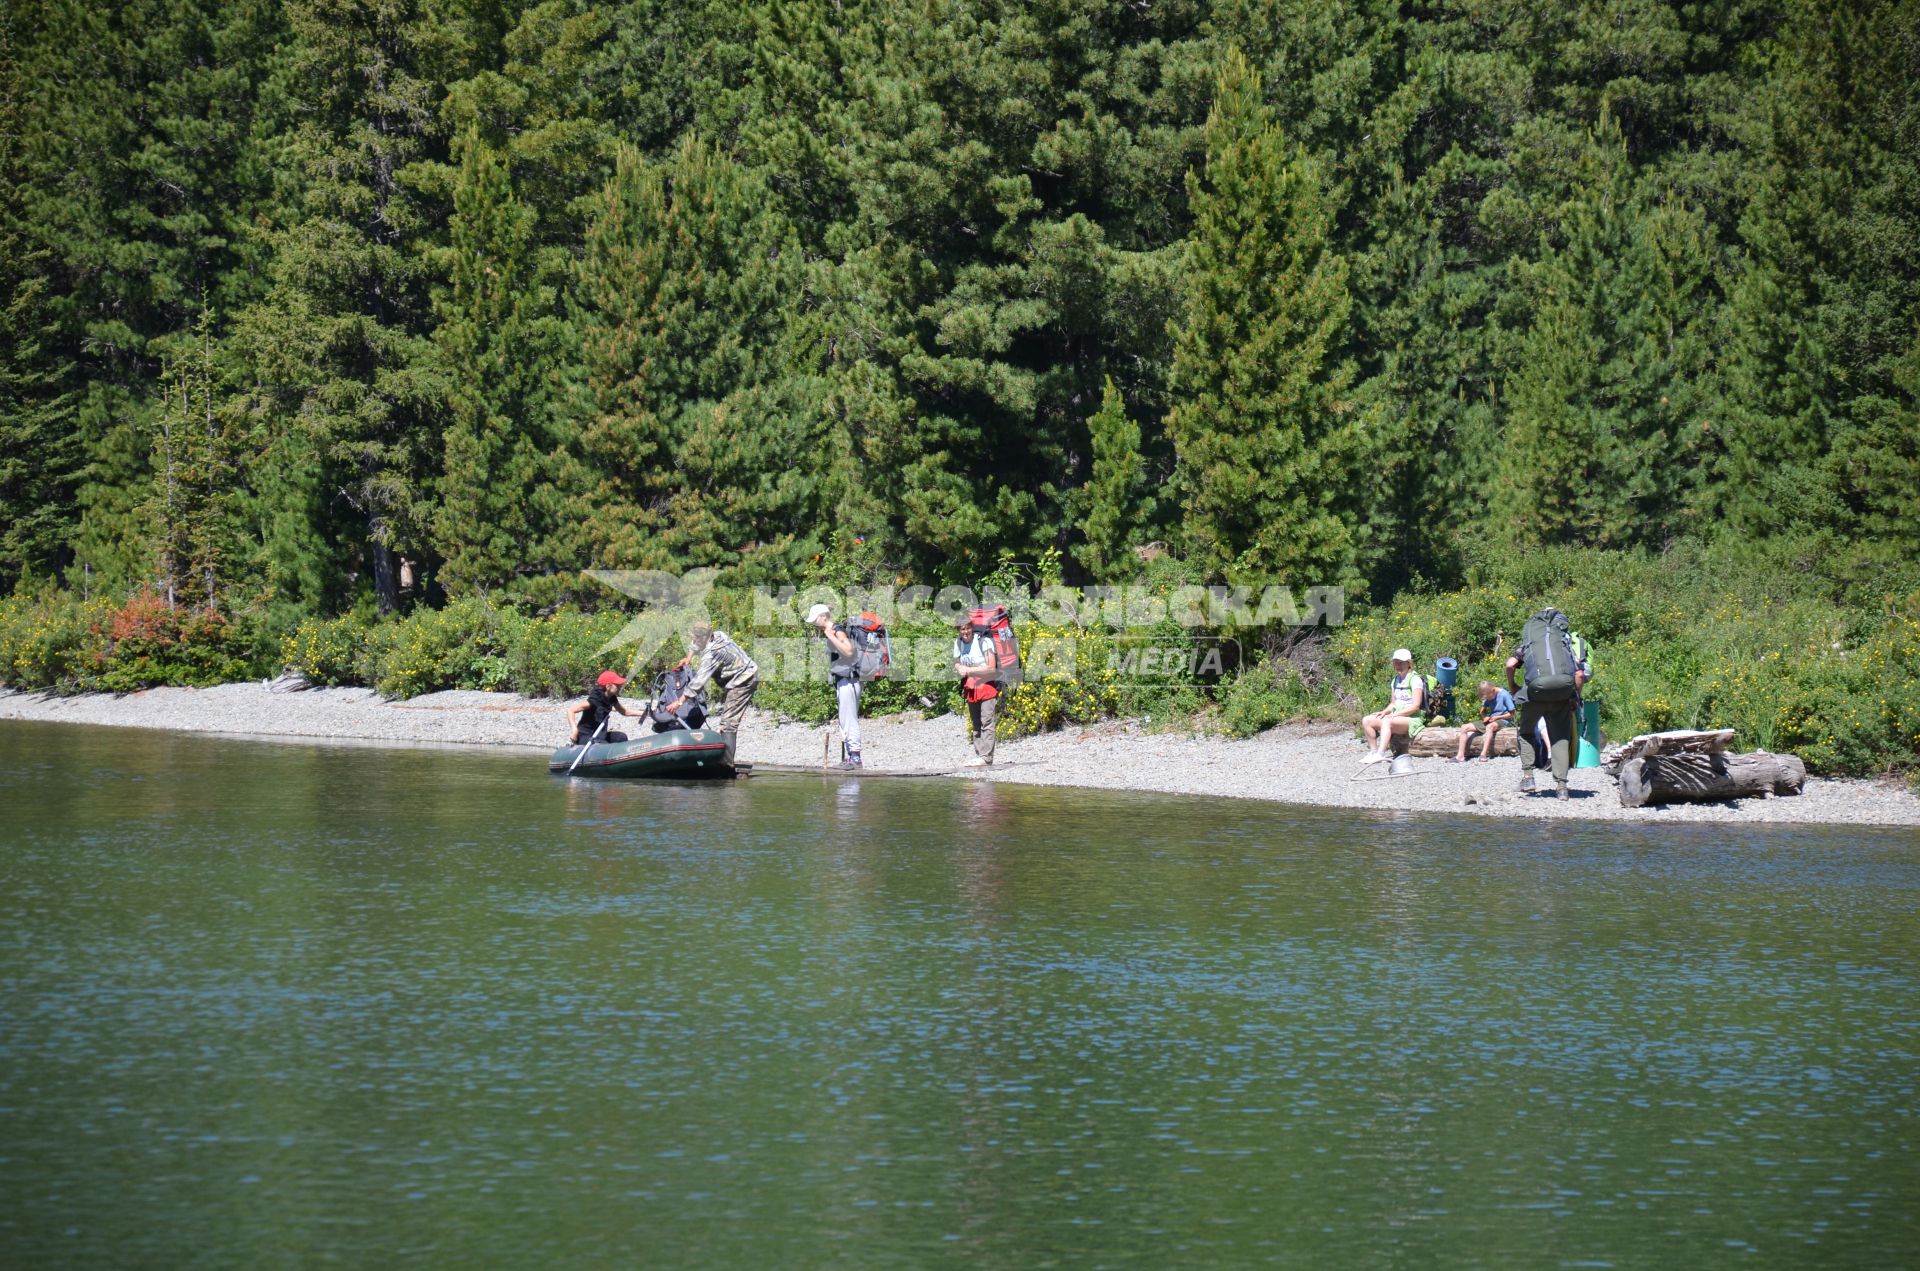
[1547, 657]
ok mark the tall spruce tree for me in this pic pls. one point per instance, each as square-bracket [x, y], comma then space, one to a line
[499, 504]
[1117, 511]
[1618, 355]
[1271, 473]
[191, 510]
[151, 177]
[347, 390]
[39, 451]
[1553, 486]
[688, 455]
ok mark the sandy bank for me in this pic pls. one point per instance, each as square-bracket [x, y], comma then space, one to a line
[1311, 765]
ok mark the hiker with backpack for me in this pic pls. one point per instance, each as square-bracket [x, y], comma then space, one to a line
[975, 662]
[1405, 713]
[725, 663]
[1549, 695]
[843, 671]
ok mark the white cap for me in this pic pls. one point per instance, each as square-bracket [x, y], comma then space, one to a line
[1402, 655]
[817, 612]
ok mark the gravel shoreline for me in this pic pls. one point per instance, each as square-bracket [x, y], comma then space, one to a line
[1308, 764]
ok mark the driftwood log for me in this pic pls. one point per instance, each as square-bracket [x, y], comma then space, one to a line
[1690, 741]
[1444, 743]
[1708, 778]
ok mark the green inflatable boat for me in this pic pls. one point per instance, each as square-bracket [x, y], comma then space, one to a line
[679, 752]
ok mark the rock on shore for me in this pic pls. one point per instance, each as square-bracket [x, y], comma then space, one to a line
[1314, 764]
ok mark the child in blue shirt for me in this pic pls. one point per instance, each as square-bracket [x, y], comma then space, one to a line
[1496, 708]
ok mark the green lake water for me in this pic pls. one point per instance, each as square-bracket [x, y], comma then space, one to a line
[267, 1004]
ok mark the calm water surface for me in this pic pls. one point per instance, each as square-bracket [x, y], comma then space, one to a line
[267, 1004]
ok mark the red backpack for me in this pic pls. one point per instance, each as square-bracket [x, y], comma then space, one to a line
[997, 625]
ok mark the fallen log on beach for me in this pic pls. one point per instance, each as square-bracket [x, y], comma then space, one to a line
[1708, 778]
[1675, 741]
[1444, 743]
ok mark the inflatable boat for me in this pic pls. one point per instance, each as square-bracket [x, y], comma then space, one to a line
[679, 744]
[681, 752]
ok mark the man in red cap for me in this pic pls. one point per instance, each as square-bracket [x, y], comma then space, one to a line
[603, 698]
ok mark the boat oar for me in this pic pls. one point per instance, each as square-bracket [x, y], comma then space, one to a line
[583, 750]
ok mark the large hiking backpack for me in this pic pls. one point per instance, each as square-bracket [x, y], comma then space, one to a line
[1430, 693]
[872, 651]
[1547, 660]
[996, 624]
[667, 686]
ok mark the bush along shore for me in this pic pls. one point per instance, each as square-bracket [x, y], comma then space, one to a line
[1802, 647]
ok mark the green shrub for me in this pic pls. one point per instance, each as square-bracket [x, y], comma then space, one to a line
[554, 656]
[327, 650]
[463, 646]
[1257, 699]
[53, 640]
[1264, 696]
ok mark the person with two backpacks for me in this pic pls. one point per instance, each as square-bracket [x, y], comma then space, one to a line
[1549, 695]
[975, 662]
[1406, 709]
[843, 671]
[722, 662]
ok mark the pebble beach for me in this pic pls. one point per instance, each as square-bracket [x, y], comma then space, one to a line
[1306, 764]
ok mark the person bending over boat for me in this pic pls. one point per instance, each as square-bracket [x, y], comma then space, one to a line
[726, 664]
[603, 699]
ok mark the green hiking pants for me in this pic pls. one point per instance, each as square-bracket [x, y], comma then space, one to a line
[1559, 717]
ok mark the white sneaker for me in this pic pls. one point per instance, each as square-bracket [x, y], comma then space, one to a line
[975, 762]
[1375, 756]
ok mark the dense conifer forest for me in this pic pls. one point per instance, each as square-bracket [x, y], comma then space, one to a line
[315, 304]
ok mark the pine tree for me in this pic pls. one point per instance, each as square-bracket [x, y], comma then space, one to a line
[346, 384]
[995, 182]
[498, 505]
[1877, 464]
[689, 455]
[1118, 509]
[38, 452]
[190, 513]
[1269, 445]
[1552, 487]
[150, 178]
[1618, 354]
[1852, 73]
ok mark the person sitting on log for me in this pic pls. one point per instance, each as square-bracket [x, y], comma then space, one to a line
[1496, 708]
[1405, 713]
